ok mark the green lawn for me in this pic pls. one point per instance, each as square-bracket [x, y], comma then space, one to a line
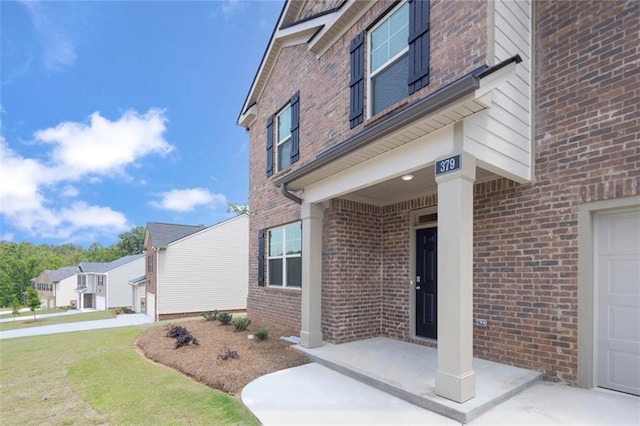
[26, 314]
[28, 320]
[97, 377]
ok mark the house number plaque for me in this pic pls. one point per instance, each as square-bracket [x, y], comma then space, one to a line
[449, 164]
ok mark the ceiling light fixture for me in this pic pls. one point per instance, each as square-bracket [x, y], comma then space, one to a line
[407, 177]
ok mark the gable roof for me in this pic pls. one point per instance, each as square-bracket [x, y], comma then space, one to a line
[164, 233]
[100, 267]
[60, 274]
[319, 30]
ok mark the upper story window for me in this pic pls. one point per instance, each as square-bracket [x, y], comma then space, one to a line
[283, 139]
[397, 48]
[285, 128]
[285, 256]
[150, 263]
[388, 60]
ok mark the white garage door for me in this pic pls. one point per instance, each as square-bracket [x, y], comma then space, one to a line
[617, 271]
[101, 303]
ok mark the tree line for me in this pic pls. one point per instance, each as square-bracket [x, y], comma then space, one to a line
[20, 262]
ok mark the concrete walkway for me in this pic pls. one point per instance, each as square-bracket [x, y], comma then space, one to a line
[120, 321]
[315, 395]
[385, 381]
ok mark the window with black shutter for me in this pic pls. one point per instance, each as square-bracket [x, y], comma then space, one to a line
[261, 245]
[356, 83]
[398, 59]
[270, 146]
[295, 127]
[285, 127]
[418, 44]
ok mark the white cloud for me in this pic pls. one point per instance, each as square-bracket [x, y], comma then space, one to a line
[228, 8]
[70, 191]
[184, 200]
[103, 146]
[58, 47]
[30, 189]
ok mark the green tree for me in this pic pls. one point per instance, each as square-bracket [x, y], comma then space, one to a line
[131, 242]
[238, 209]
[99, 253]
[19, 263]
[33, 301]
[15, 305]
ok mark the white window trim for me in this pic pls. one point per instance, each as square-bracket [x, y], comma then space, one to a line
[283, 141]
[284, 257]
[370, 74]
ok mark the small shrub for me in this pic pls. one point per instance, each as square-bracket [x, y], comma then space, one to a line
[227, 354]
[225, 318]
[118, 311]
[182, 335]
[210, 316]
[261, 334]
[241, 324]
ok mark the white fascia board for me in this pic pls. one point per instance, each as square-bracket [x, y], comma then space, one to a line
[302, 32]
[248, 117]
[319, 45]
[404, 159]
[490, 82]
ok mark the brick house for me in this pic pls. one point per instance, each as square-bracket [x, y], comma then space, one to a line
[463, 175]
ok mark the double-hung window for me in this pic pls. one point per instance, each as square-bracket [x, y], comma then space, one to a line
[285, 256]
[283, 138]
[388, 60]
[283, 133]
[397, 53]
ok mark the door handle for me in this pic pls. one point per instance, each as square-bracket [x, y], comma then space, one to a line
[417, 287]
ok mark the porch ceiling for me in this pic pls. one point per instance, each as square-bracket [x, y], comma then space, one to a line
[395, 190]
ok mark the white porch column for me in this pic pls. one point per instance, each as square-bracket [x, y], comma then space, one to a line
[311, 332]
[455, 378]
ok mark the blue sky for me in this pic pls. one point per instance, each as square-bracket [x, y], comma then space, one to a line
[118, 113]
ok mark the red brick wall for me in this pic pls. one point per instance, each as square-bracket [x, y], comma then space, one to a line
[351, 271]
[587, 145]
[587, 148]
[152, 277]
[324, 109]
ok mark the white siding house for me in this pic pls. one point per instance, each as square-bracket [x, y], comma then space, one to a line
[104, 285]
[202, 271]
[56, 288]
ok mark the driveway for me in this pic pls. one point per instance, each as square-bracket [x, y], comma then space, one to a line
[120, 321]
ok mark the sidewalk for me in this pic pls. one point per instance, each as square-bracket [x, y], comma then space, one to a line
[315, 395]
[120, 321]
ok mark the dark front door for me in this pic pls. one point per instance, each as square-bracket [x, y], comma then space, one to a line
[426, 283]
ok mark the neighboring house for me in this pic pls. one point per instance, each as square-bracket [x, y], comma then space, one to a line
[105, 285]
[193, 269]
[418, 171]
[56, 288]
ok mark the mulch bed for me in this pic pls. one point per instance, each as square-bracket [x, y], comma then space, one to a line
[255, 357]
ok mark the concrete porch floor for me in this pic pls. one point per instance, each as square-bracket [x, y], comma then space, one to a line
[407, 371]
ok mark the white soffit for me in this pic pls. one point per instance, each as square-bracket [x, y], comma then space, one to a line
[452, 113]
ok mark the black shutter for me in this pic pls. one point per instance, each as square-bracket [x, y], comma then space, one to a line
[418, 44]
[270, 146]
[356, 84]
[261, 244]
[295, 127]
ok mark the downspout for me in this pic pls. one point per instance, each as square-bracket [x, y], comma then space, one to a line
[156, 316]
[289, 195]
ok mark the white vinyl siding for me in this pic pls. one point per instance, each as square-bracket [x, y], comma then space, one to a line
[205, 271]
[501, 136]
[117, 282]
[66, 291]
